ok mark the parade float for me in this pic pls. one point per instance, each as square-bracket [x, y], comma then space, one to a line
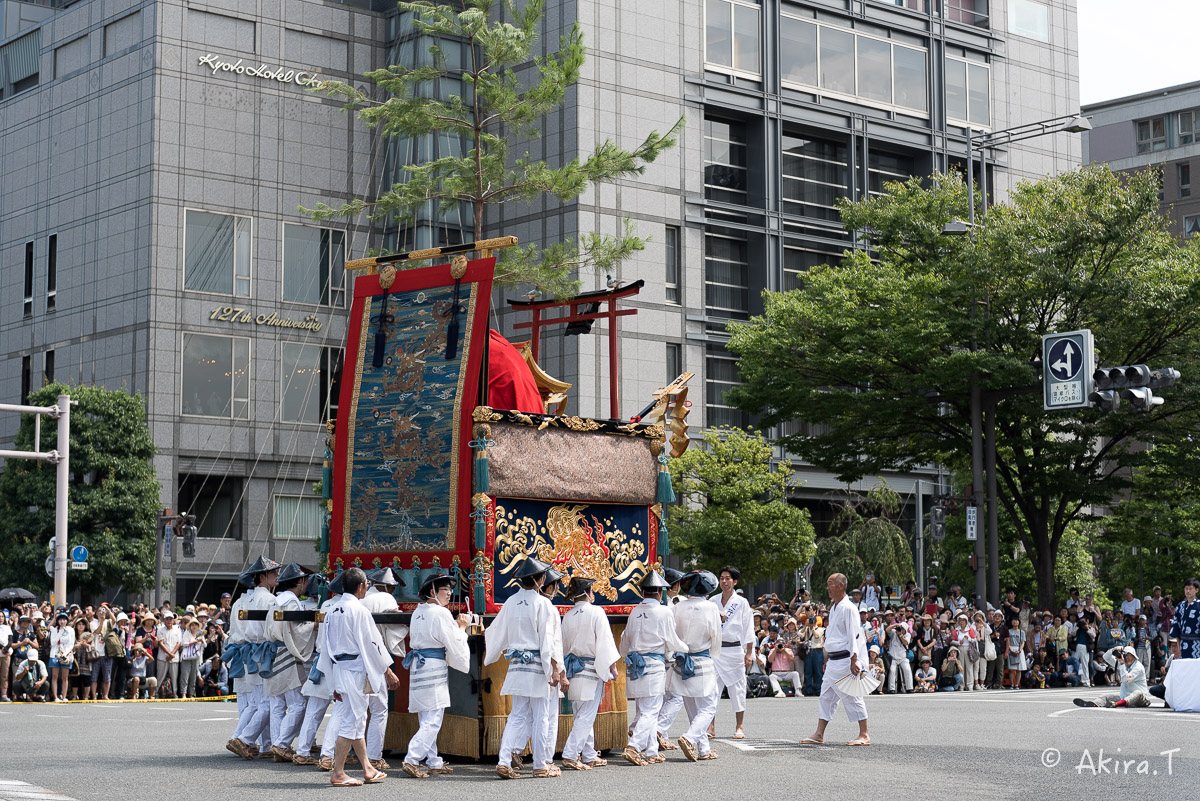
[450, 454]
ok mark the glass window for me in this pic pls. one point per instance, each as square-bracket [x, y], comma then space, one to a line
[1186, 126]
[797, 51]
[314, 261]
[968, 12]
[28, 299]
[837, 60]
[874, 69]
[912, 78]
[216, 376]
[721, 375]
[297, 517]
[733, 36]
[216, 253]
[51, 271]
[884, 168]
[800, 258]
[815, 175]
[26, 379]
[48, 367]
[726, 274]
[1029, 19]
[674, 361]
[671, 257]
[1191, 227]
[216, 501]
[724, 161]
[310, 382]
[968, 92]
[1185, 179]
[1152, 134]
[979, 102]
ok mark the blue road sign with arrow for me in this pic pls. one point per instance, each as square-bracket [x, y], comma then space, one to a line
[79, 554]
[1068, 361]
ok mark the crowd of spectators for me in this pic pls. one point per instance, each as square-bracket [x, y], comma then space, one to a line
[108, 653]
[924, 642]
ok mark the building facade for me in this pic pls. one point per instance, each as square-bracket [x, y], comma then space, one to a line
[154, 157]
[1153, 130]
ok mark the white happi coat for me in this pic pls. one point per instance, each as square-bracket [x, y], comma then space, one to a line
[650, 630]
[349, 629]
[393, 634]
[586, 632]
[529, 622]
[325, 688]
[737, 626]
[293, 660]
[698, 625]
[257, 598]
[433, 626]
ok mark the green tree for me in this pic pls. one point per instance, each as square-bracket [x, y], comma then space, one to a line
[500, 106]
[868, 541]
[882, 349]
[112, 499]
[733, 508]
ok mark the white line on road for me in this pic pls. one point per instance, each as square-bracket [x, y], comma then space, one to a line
[14, 789]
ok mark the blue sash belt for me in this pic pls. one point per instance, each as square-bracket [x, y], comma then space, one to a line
[575, 664]
[419, 655]
[517, 655]
[686, 663]
[636, 664]
[315, 675]
[264, 657]
[235, 656]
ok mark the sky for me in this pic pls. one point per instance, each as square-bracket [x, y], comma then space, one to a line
[1123, 53]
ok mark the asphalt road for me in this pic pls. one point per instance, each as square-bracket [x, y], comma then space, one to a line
[993, 745]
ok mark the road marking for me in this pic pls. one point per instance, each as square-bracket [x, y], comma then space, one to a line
[11, 789]
[209, 720]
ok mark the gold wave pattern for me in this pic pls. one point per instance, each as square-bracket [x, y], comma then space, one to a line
[573, 543]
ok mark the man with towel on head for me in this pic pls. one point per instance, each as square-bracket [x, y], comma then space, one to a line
[525, 633]
[648, 643]
[379, 599]
[671, 703]
[698, 624]
[294, 642]
[589, 653]
[550, 590]
[845, 655]
[246, 640]
[438, 642]
[353, 656]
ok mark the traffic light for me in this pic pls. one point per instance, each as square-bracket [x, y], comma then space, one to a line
[188, 529]
[937, 521]
[1134, 384]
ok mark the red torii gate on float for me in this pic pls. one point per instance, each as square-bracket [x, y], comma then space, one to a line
[574, 315]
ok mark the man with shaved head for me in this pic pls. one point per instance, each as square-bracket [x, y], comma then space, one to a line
[845, 654]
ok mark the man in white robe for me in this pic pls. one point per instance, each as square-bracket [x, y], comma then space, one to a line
[648, 644]
[737, 646]
[254, 717]
[589, 653]
[294, 648]
[549, 729]
[845, 655]
[317, 689]
[353, 654]
[437, 643]
[671, 703]
[524, 634]
[698, 625]
[379, 598]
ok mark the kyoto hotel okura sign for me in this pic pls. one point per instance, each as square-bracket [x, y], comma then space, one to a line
[225, 67]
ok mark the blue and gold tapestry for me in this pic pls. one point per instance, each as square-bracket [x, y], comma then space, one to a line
[403, 486]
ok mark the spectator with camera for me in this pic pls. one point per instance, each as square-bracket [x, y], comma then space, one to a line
[62, 656]
[781, 661]
[897, 636]
[950, 677]
[214, 678]
[30, 677]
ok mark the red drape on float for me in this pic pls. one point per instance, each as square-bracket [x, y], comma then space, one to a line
[510, 382]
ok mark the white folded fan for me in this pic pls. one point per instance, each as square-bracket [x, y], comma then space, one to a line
[864, 683]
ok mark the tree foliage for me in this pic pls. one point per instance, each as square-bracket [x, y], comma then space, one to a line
[112, 499]
[733, 508]
[499, 106]
[882, 348]
[868, 541]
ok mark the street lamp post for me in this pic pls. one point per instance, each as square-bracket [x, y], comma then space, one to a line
[983, 444]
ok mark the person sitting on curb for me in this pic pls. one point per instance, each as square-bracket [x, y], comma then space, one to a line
[1133, 681]
[926, 677]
